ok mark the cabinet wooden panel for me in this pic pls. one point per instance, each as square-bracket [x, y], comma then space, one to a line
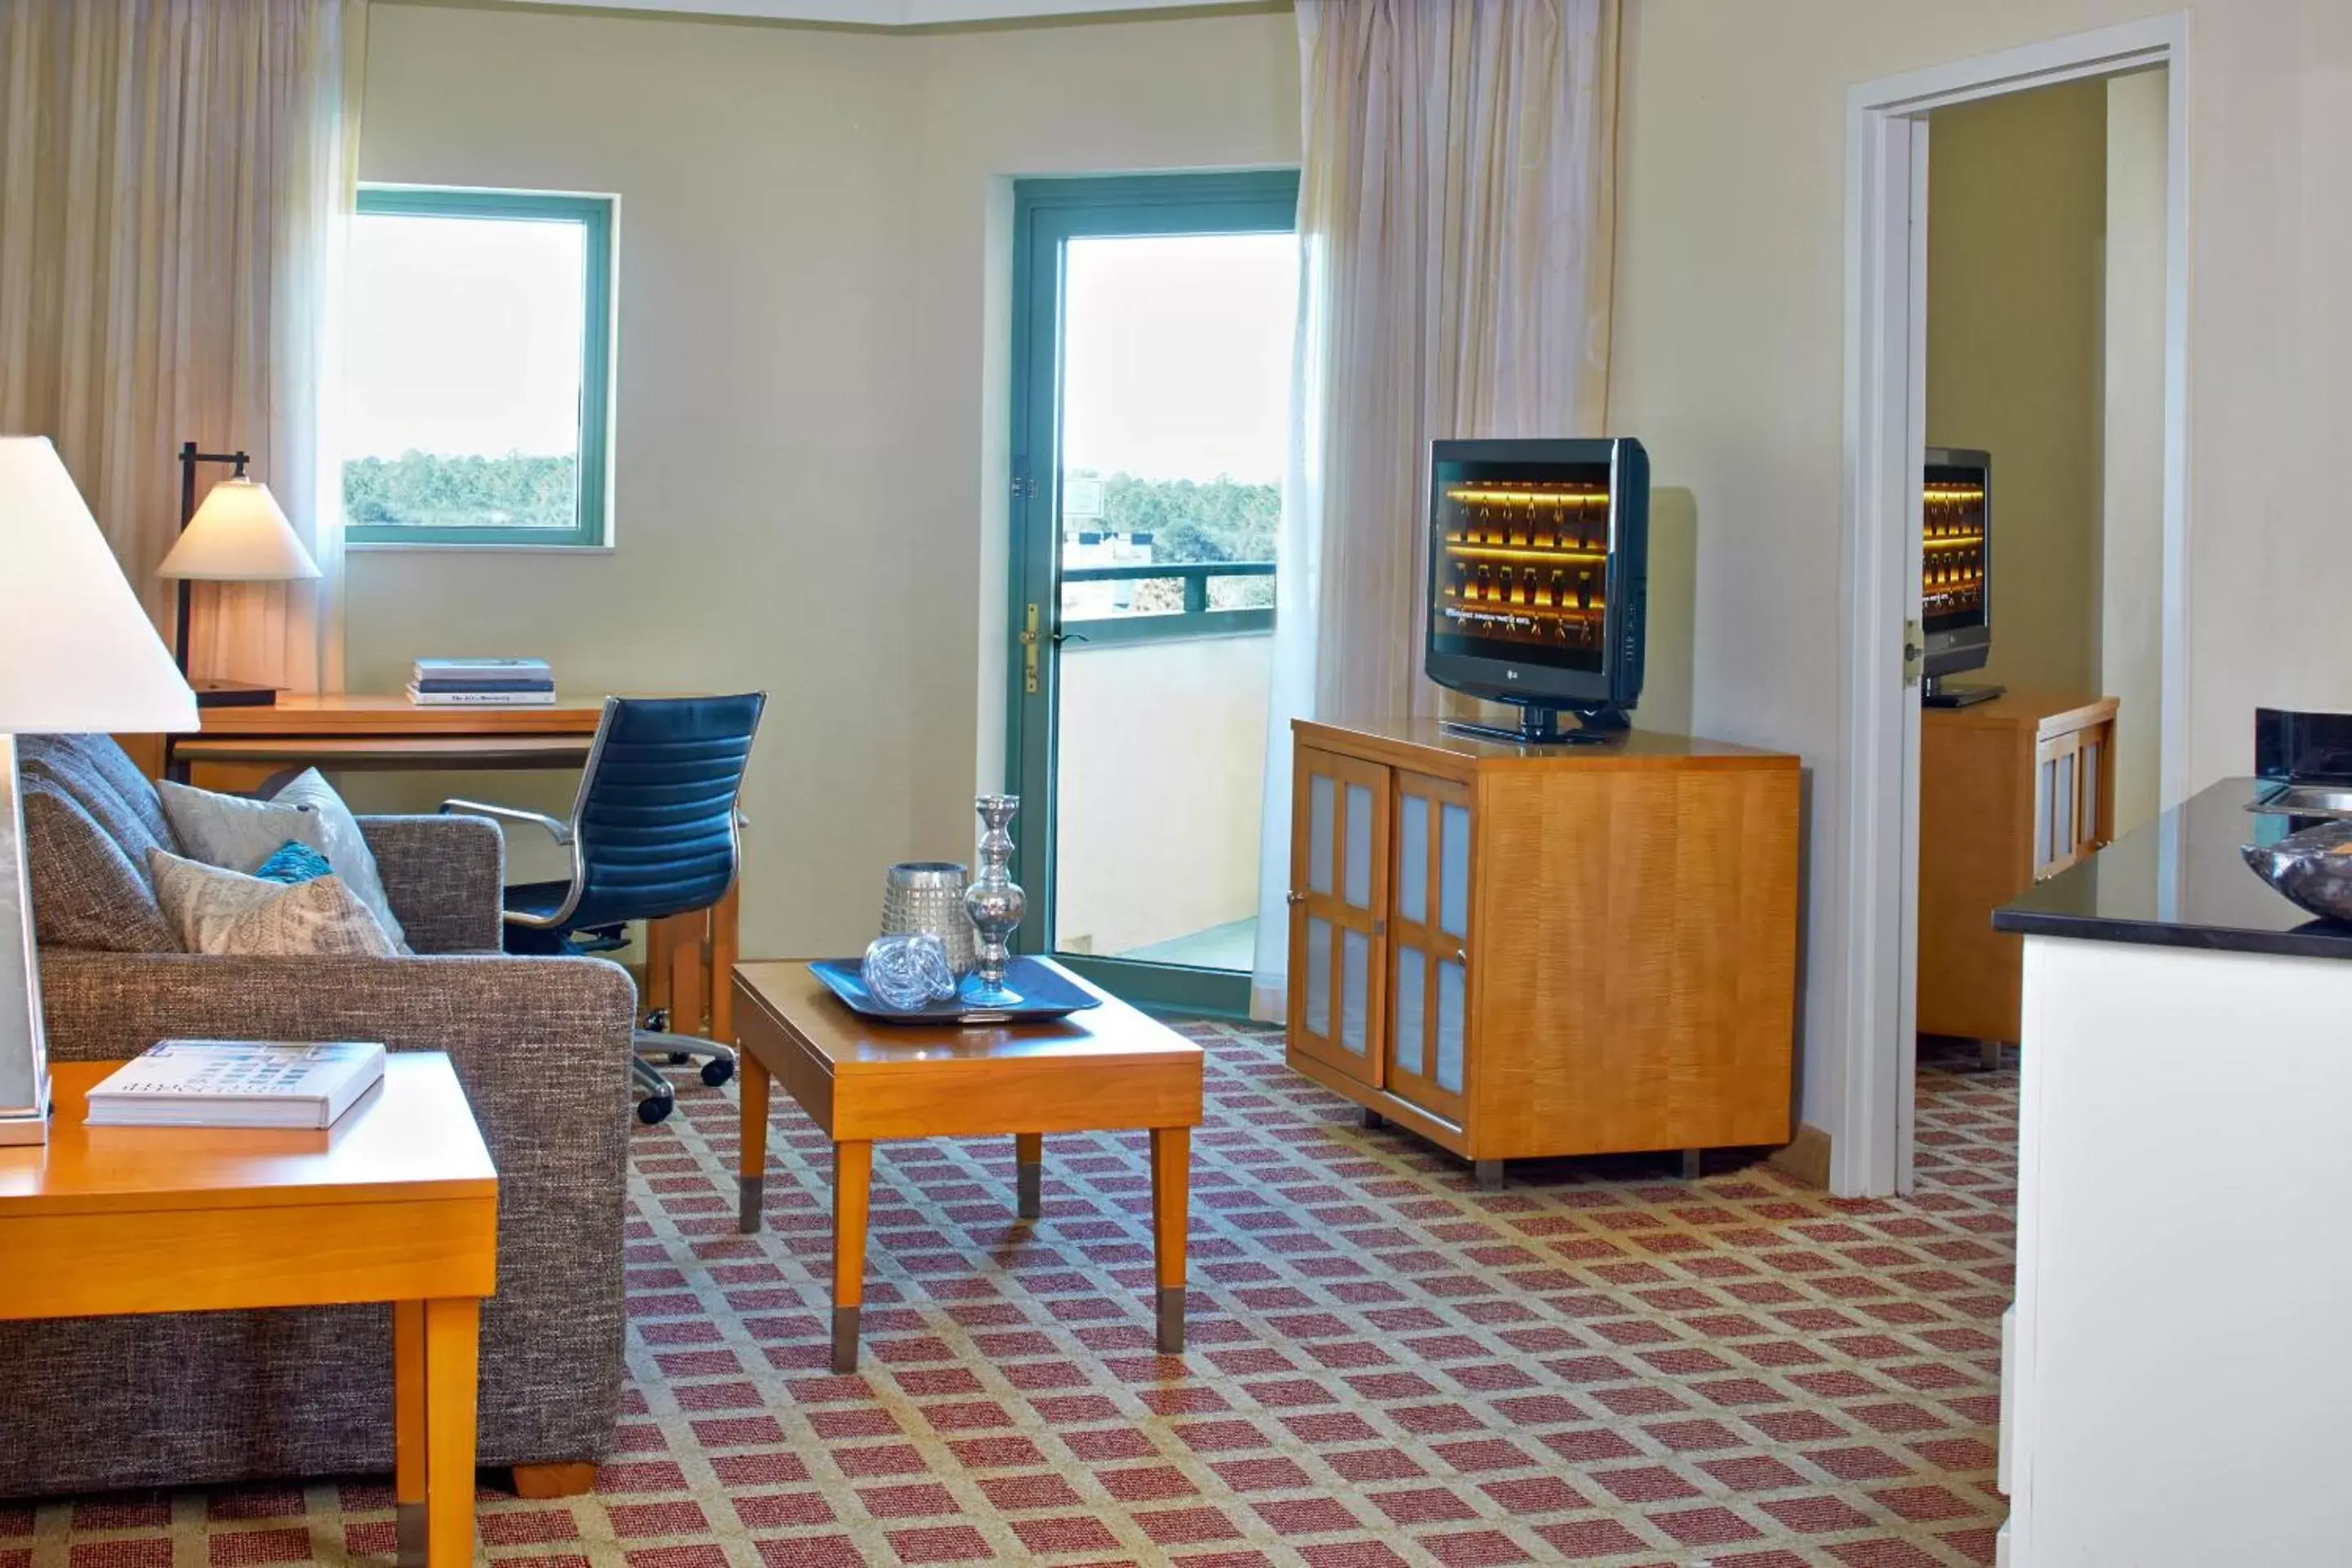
[1338, 898]
[2011, 790]
[1586, 950]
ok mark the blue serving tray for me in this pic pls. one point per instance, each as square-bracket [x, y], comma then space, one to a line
[1043, 995]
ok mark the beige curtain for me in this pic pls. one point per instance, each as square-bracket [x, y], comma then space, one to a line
[1456, 221]
[175, 178]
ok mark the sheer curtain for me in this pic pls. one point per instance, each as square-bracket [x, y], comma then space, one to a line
[175, 181]
[1457, 217]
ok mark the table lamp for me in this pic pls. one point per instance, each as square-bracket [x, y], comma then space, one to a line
[238, 535]
[78, 656]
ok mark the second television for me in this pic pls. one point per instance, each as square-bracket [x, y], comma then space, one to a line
[1538, 559]
[1956, 572]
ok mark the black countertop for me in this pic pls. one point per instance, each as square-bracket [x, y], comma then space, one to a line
[2179, 881]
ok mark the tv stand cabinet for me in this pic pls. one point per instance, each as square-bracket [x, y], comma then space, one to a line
[1519, 952]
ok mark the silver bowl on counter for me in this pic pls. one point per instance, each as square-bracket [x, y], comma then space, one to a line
[2313, 868]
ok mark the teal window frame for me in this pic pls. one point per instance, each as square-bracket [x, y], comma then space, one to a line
[592, 522]
[1047, 211]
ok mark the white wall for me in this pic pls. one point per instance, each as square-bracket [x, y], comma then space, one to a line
[2016, 208]
[810, 414]
[2131, 576]
[1729, 348]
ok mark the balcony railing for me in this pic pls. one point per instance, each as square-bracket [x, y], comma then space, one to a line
[1196, 619]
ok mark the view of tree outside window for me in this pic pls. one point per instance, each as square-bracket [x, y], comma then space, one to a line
[464, 372]
[1175, 412]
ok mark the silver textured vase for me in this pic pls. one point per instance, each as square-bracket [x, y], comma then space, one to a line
[995, 903]
[928, 896]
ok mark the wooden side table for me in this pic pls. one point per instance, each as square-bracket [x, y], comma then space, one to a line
[397, 1202]
[1107, 1068]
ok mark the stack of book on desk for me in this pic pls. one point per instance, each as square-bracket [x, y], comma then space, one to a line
[481, 682]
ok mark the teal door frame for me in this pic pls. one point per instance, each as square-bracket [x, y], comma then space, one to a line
[1046, 214]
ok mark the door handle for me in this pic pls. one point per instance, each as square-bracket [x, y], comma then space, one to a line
[1061, 636]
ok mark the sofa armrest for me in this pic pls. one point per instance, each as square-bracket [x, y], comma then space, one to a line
[445, 876]
[542, 1044]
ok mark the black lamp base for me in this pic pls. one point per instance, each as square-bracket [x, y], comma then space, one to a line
[233, 694]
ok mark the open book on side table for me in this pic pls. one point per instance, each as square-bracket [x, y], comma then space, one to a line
[237, 1083]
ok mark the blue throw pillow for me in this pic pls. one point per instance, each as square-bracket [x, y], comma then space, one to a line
[293, 861]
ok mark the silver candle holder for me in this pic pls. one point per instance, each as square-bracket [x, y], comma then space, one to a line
[995, 903]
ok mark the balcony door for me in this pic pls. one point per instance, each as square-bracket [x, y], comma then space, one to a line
[1153, 317]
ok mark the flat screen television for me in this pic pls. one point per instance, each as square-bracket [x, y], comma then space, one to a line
[1956, 572]
[1538, 556]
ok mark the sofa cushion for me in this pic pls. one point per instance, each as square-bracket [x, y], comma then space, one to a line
[346, 848]
[88, 892]
[232, 831]
[101, 775]
[214, 910]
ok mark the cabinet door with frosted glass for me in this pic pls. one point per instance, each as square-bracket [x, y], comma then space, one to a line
[1429, 996]
[1338, 898]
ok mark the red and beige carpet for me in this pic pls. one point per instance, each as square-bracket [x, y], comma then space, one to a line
[1599, 1364]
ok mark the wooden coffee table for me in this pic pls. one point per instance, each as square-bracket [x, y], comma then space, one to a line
[1107, 1068]
[398, 1202]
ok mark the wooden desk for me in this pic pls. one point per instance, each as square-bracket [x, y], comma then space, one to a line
[242, 749]
[398, 1202]
[859, 1080]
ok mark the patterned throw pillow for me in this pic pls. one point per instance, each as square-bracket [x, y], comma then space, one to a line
[295, 861]
[345, 846]
[232, 831]
[221, 913]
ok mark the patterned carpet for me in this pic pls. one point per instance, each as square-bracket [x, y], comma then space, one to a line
[1599, 1364]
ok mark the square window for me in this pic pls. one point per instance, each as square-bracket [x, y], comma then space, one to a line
[478, 351]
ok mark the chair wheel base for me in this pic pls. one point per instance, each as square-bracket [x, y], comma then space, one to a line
[718, 1070]
[655, 1108]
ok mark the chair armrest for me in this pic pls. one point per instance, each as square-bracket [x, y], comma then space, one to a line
[560, 831]
[445, 876]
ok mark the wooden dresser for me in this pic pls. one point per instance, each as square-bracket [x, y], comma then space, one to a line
[1523, 952]
[2010, 792]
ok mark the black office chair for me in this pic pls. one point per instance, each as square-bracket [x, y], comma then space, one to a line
[654, 833]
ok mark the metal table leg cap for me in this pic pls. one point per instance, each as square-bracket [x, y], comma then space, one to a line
[408, 1534]
[844, 1339]
[1172, 1319]
[754, 1192]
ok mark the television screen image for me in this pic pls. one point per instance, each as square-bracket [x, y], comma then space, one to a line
[1537, 578]
[1956, 572]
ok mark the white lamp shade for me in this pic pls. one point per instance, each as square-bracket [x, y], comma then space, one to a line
[77, 655]
[238, 535]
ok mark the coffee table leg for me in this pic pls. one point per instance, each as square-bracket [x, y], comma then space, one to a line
[753, 1161]
[1029, 1174]
[409, 1430]
[1171, 1178]
[452, 1379]
[853, 1176]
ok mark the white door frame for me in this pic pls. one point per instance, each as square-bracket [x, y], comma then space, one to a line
[1871, 1051]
